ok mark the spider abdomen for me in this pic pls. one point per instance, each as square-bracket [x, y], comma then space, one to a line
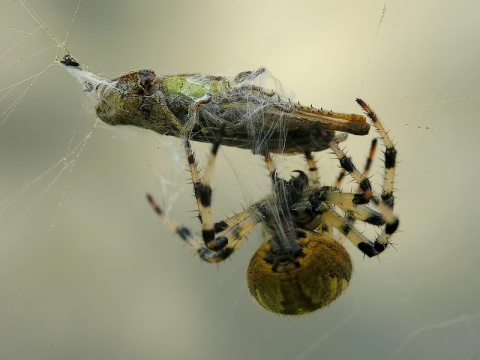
[318, 276]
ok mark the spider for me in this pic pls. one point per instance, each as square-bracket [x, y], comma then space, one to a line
[301, 266]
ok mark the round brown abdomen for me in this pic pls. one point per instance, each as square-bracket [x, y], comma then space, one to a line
[321, 274]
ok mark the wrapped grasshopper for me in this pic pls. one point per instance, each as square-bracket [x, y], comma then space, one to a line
[195, 106]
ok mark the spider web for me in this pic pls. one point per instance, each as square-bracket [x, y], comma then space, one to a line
[84, 263]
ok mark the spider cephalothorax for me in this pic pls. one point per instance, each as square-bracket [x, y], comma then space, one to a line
[300, 267]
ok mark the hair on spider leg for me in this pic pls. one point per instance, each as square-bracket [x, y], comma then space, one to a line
[300, 249]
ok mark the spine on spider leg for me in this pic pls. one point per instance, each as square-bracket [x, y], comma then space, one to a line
[347, 165]
[180, 230]
[390, 154]
[209, 228]
[388, 201]
[208, 255]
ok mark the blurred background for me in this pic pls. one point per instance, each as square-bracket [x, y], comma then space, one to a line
[87, 271]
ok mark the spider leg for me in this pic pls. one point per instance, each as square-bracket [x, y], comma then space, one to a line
[312, 168]
[386, 204]
[196, 182]
[368, 165]
[360, 241]
[233, 220]
[222, 238]
[240, 225]
[203, 192]
[363, 213]
[272, 171]
[340, 177]
[310, 212]
[366, 171]
[332, 194]
[350, 214]
[203, 196]
[347, 165]
[194, 173]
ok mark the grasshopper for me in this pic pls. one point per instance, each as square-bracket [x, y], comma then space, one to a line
[195, 106]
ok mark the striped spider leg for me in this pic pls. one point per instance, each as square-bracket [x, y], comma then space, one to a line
[385, 204]
[220, 239]
[300, 266]
[387, 201]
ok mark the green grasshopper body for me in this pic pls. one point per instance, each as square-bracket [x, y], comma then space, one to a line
[195, 106]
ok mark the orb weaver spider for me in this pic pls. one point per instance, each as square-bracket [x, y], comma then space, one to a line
[300, 267]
